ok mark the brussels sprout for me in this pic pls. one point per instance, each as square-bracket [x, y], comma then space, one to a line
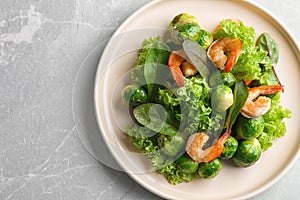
[187, 164]
[133, 95]
[185, 32]
[171, 145]
[222, 98]
[205, 38]
[248, 153]
[230, 148]
[182, 18]
[162, 140]
[249, 128]
[222, 78]
[183, 27]
[208, 170]
[228, 78]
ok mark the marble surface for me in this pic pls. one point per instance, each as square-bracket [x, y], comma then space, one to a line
[42, 45]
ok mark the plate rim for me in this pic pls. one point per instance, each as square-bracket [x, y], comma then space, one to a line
[134, 176]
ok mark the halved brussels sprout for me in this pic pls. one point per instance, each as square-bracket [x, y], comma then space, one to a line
[249, 128]
[248, 152]
[187, 164]
[205, 38]
[222, 98]
[133, 95]
[230, 148]
[183, 27]
[182, 18]
[185, 32]
[209, 170]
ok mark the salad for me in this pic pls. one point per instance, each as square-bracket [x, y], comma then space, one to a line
[198, 98]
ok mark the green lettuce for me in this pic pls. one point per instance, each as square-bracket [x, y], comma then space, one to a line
[143, 138]
[175, 176]
[146, 141]
[251, 56]
[189, 104]
[171, 173]
[236, 30]
[275, 126]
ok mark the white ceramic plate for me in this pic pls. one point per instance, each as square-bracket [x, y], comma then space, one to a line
[119, 56]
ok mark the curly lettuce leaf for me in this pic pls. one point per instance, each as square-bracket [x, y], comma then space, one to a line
[171, 173]
[143, 138]
[236, 30]
[275, 126]
[190, 104]
[247, 66]
[175, 176]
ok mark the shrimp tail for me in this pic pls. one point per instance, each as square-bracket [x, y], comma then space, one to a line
[177, 76]
[224, 138]
[248, 82]
[264, 90]
[175, 60]
[234, 55]
[232, 59]
[174, 63]
[219, 146]
[271, 89]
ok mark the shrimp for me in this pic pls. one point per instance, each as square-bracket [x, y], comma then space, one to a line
[248, 82]
[177, 59]
[174, 63]
[255, 105]
[188, 69]
[196, 142]
[218, 50]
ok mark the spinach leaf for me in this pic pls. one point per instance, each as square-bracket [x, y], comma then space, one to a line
[198, 57]
[240, 96]
[155, 68]
[267, 43]
[154, 117]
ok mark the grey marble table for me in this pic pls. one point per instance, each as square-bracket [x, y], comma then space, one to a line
[42, 44]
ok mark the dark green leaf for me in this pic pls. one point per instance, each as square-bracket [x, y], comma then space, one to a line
[154, 117]
[155, 68]
[240, 96]
[267, 43]
[198, 57]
